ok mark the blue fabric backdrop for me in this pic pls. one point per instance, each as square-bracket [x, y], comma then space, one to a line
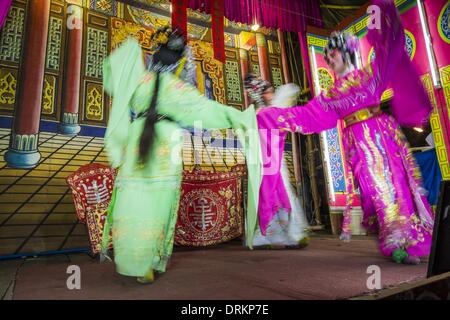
[431, 173]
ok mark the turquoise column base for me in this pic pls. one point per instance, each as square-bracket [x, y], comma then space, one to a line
[69, 129]
[22, 159]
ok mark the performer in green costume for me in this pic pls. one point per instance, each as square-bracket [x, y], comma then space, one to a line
[143, 139]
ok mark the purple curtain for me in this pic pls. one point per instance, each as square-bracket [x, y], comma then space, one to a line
[4, 8]
[287, 15]
[313, 18]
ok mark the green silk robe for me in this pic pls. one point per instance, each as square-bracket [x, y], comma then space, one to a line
[143, 211]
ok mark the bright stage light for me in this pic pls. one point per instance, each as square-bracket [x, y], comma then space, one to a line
[255, 27]
[429, 45]
[418, 129]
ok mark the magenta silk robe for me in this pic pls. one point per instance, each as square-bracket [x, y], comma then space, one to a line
[4, 8]
[376, 151]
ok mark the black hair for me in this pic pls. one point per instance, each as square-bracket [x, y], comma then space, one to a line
[148, 133]
[167, 54]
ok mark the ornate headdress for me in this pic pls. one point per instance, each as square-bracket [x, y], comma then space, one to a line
[255, 87]
[345, 42]
[171, 54]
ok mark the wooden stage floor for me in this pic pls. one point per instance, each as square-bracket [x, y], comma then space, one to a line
[326, 269]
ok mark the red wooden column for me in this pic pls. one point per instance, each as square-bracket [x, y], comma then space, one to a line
[263, 56]
[284, 62]
[243, 55]
[71, 90]
[22, 152]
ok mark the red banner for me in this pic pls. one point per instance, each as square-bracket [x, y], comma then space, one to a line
[217, 14]
[179, 16]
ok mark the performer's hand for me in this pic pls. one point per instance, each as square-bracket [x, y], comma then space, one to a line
[346, 237]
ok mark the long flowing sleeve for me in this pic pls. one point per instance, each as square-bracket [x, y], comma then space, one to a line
[186, 105]
[392, 66]
[4, 8]
[122, 71]
[314, 117]
[388, 42]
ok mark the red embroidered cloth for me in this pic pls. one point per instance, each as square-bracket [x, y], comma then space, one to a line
[210, 209]
[91, 184]
[91, 187]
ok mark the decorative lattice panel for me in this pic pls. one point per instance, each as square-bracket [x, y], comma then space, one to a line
[54, 41]
[12, 33]
[96, 52]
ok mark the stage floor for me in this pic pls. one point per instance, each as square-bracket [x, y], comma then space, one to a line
[326, 269]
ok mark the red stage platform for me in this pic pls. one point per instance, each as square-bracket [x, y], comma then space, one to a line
[327, 269]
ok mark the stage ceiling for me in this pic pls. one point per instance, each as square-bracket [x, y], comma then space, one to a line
[333, 11]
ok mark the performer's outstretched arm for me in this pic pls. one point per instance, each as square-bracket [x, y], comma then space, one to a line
[313, 117]
[186, 105]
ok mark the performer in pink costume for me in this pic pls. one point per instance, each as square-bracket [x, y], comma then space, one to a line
[393, 201]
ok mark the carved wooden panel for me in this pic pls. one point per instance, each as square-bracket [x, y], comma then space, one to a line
[96, 47]
[11, 47]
